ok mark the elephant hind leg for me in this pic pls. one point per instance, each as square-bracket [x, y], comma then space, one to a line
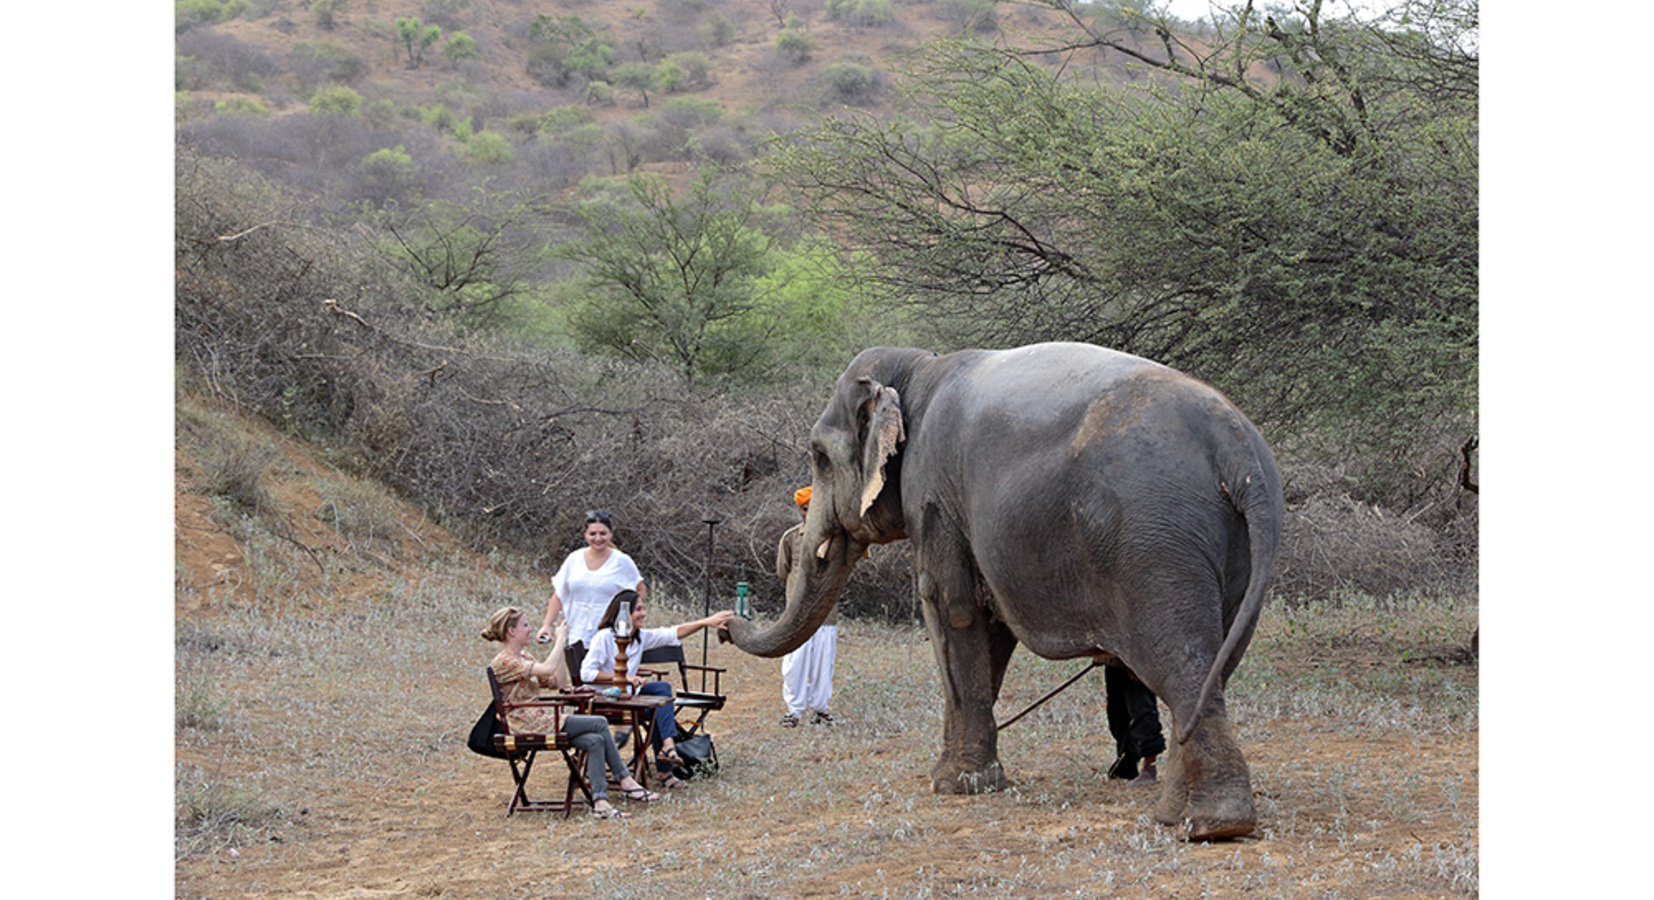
[1207, 784]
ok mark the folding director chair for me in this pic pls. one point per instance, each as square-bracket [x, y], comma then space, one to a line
[521, 749]
[692, 698]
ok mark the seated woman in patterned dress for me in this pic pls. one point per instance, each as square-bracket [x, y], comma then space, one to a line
[522, 678]
[599, 667]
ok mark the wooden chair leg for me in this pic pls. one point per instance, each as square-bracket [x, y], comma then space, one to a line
[577, 778]
[519, 798]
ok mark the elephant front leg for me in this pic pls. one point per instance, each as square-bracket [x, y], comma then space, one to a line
[972, 652]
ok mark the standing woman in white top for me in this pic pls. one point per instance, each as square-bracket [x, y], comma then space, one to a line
[586, 582]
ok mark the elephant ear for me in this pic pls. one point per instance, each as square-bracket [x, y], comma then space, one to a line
[882, 433]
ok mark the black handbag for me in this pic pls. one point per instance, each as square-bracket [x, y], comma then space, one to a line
[700, 758]
[482, 734]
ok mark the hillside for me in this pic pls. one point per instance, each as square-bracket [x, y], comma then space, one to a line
[535, 97]
[746, 73]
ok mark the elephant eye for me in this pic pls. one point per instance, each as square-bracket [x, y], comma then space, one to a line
[821, 460]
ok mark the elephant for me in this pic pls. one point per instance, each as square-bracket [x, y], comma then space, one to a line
[1081, 501]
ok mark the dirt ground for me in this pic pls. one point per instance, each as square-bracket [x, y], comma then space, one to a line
[442, 831]
[862, 822]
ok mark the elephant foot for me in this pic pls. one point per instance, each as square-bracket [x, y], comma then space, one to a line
[948, 778]
[1207, 821]
[1207, 830]
[1207, 788]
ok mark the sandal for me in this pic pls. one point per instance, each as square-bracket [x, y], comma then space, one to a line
[789, 721]
[608, 812]
[670, 754]
[674, 783]
[641, 794]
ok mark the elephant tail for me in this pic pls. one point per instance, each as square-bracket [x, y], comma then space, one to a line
[1257, 497]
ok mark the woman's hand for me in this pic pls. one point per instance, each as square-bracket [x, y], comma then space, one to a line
[552, 610]
[562, 631]
[718, 619]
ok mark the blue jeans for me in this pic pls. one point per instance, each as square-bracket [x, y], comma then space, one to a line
[666, 720]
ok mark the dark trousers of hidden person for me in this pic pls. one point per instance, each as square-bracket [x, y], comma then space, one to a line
[1133, 720]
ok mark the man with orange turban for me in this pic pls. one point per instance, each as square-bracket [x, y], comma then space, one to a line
[806, 673]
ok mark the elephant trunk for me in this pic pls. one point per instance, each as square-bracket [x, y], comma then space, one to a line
[813, 587]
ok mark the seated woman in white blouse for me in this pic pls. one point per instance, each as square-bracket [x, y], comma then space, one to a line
[598, 669]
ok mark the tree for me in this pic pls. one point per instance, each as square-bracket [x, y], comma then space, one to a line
[677, 279]
[564, 47]
[1306, 241]
[417, 37]
[472, 255]
[636, 76]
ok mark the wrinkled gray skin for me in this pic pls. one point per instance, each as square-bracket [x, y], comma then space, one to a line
[1078, 500]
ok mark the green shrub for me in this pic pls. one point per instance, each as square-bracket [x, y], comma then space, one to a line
[189, 13]
[696, 68]
[669, 77]
[524, 126]
[489, 148]
[566, 118]
[849, 82]
[439, 117]
[692, 112]
[324, 11]
[719, 32]
[319, 62]
[336, 100]
[461, 46]
[241, 106]
[968, 15]
[794, 46]
[388, 173]
[861, 12]
[566, 47]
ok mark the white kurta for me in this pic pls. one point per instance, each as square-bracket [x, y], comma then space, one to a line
[807, 673]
